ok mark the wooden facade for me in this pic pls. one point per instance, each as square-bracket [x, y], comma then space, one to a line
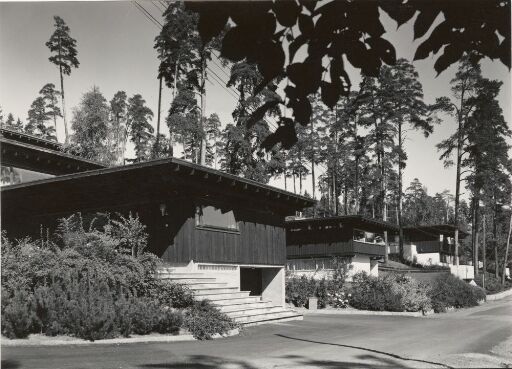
[433, 238]
[325, 237]
[166, 195]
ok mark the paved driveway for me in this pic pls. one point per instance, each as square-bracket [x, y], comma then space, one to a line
[475, 337]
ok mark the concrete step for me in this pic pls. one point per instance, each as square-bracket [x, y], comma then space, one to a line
[270, 321]
[188, 280]
[239, 300]
[242, 306]
[254, 311]
[214, 291]
[207, 285]
[258, 317]
[207, 295]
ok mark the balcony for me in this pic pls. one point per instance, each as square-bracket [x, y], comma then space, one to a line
[335, 248]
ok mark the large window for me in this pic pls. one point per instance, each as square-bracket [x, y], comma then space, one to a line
[12, 175]
[211, 217]
[368, 237]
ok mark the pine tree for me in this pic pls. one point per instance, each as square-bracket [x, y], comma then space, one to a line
[119, 131]
[463, 88]
[37, 121]
[50, 96]
[63, 48]
[138, 117]
[9, 123]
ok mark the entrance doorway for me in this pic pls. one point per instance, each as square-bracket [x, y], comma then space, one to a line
[250, 280]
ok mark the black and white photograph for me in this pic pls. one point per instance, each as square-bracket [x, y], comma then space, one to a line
[256, 184]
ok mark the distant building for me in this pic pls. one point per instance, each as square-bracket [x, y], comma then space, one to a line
[312, 243]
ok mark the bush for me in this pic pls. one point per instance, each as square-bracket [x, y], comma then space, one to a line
[203, 320]
[492, 285]
[393, 292]
[91, 282]
[18, 315]
[173, 295]
[169, 321]
[449, 291]
[299, 290]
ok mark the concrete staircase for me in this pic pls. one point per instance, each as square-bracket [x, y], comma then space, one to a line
[238, 305]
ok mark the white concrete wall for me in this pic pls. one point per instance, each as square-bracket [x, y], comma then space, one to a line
[463, 271]
[273, 286]
[359, 263]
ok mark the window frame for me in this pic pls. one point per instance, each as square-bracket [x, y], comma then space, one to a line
[212, 227]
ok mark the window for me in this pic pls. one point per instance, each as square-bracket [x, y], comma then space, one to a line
[12, 175]
[368, 237]
[211, 217]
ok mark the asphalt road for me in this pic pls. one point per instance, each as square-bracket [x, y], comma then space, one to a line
[478, 337]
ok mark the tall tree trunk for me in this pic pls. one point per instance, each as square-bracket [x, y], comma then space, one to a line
[506, 251]
[495, 237]
[63, 105]
[202, 159]
[157, 141]
[484, 246]
[313, 185]
[399, 205]
[294, 185]
[345, 198]
[475, 234]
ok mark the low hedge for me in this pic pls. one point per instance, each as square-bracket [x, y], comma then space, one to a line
[393, 292]
[451, 292]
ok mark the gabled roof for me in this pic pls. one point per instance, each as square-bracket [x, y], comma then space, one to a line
[146, 181]
[25, 151]
[343, 219]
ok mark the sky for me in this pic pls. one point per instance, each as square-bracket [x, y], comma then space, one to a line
[115, 50]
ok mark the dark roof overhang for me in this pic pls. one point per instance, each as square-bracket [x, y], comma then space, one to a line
[144, 182]
[352, 220]
[436, 229]
[32, 153]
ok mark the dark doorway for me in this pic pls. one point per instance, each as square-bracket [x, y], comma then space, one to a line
[250, 280]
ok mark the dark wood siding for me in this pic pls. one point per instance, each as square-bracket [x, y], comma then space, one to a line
[255, 243]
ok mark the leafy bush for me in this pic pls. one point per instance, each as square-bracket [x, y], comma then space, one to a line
[203, 320]
[393, 292]
[449, 291]
[91, 282]
[327, 291]
[18, 315]
[173, 295]
[299, 290]
[493, 285]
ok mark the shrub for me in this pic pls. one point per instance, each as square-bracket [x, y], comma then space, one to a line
[449, 291]
[299, 290]
[203, 321]
[393, 292]
[170, 294]
[145, 315]
[169, 321]
[18, 315]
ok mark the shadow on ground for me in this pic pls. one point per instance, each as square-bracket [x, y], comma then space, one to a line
[10, 364]
[289, 361]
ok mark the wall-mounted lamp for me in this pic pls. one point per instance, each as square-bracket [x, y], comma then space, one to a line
[163, 207]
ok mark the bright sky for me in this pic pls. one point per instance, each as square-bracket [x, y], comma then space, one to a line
[115, 50]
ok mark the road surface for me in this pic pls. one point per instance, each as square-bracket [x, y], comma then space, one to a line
[477, 337]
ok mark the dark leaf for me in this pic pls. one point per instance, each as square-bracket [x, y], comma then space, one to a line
[295, 45]
[356, 54]
[439, 37]
[271, 60]
[286, 12]
[331, 93]
[424, 21]
[234, 45]
[452, 53]
[259, 113]
[284, 134]
[212, 21]
[398, 11]
[306, 25]
[302, 111]
[384, 49]
[308, 4]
